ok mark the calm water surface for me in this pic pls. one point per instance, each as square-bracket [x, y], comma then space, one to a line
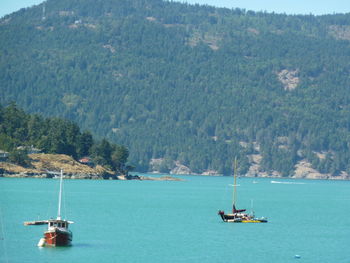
[156, 221]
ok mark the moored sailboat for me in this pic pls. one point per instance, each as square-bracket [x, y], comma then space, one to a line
[57, 233]
[239, 215]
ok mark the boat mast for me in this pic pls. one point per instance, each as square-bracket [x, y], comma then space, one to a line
[234, 198]
[60, 198]
[251, 207]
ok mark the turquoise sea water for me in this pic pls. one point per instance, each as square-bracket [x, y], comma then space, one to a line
[167, 221]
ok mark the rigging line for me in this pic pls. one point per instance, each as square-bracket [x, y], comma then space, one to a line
[234, 197]
[3, 236]
[50, 205]
[64, 201]
[51, 200]
[226, 191]
[60, 197]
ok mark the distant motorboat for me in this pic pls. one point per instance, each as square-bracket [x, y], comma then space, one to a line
[279, 182]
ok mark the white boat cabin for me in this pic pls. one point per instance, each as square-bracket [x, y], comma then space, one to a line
[58, 224]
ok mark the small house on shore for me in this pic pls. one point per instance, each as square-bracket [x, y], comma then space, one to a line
[29, 149]
[87, 161]
[3, 155]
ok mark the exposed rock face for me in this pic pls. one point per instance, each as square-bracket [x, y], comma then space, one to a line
[303, 169]
[180, 169]
[47, 165]
[161, 165]
[340, 32]
[156, 164]
[210, 172]
[289, 79]
[254, 169]
[212, 40]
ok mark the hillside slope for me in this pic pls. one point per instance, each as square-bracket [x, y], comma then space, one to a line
[187, 84]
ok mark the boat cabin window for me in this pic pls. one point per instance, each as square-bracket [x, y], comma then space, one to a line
[58, 224]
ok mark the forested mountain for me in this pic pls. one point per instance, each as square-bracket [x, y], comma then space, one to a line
[187, 83]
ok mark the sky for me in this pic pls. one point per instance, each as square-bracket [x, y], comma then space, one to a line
[9, 6]
[316, 7]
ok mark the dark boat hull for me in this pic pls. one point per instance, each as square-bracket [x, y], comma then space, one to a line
[58, 237]
[226, 217]
[240, 218]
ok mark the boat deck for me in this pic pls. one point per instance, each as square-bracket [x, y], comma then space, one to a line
[32, 223]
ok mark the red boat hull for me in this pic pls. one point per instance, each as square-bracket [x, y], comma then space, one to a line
[58, 237]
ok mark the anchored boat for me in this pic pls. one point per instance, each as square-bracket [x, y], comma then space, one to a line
[57, 233]
[239, 215]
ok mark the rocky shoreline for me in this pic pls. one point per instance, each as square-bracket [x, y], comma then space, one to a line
[90, 176]
[49, 166]
[166, 177]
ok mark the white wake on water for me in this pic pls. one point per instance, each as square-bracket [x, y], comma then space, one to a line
[279, 182]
